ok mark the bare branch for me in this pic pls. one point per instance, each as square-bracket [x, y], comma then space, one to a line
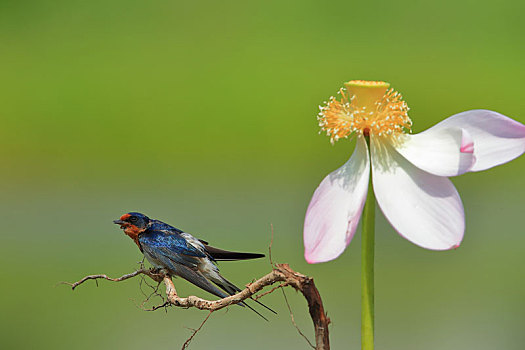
[148, 272]
[164, 305]
[195, 331]
[293, 321]
[270, 247]
[259, 296]
[280, 273]
[154, 293]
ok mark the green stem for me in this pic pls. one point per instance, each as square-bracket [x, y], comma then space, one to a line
[367, 270]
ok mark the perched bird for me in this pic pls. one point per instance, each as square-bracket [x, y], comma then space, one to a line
[183, 255]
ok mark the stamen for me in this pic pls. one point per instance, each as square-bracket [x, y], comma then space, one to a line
[365, 107]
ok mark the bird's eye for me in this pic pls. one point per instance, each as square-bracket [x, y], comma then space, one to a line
[133, 219]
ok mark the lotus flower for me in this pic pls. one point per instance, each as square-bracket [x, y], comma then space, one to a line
[409, 171]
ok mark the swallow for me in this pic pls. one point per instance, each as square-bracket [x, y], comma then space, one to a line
[183, 255]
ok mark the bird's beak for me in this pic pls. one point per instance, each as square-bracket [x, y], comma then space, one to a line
[119, 222]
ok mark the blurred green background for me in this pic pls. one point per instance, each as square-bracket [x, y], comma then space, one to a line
[202, 114]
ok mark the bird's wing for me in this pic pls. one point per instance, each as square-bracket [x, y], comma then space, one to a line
[185, 269]
[178, 257]
[164, 245]
[178, 240]
[225, 255]
[202, 246]
[171, 241]
[196, 277]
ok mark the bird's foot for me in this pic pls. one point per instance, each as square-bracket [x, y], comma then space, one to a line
[159, 271]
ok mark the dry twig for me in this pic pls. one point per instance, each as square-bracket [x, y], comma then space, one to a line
[294, 323]
[280, 273]
[195, 331]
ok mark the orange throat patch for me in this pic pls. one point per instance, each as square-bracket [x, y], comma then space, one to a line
[133, 232]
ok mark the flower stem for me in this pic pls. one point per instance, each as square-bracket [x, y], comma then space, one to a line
[367, 269]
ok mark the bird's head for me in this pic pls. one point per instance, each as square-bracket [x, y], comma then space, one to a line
[133, 222]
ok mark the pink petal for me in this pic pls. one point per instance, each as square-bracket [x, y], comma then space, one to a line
[442, 152]
[467, 143]
[335, 208]
[425, 209]
[497, 138]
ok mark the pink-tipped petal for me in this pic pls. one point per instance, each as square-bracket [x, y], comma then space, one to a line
[425, 209]
[467, 143]
[335, 208]
[497, 138]
[442, 152]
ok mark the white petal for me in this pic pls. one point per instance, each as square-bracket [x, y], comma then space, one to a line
[423, 208]
[497, 138]
[335, 208]
[442, 152]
